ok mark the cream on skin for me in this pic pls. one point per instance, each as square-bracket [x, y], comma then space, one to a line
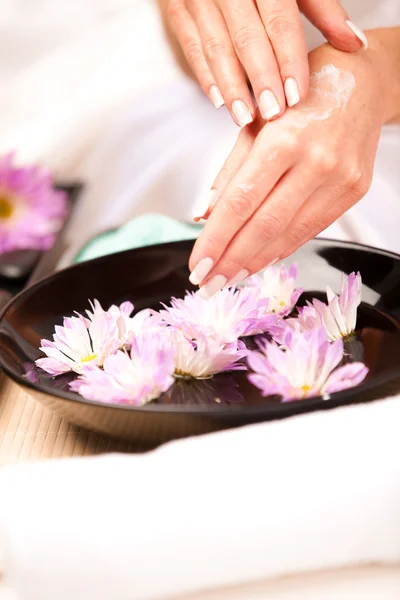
[333, 88]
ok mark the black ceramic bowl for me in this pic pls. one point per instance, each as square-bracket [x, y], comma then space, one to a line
[147, 276]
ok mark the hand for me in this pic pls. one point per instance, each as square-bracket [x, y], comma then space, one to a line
[287, 180]
[225, 41]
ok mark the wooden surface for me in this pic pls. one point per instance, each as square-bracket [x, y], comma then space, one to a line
[28, 431]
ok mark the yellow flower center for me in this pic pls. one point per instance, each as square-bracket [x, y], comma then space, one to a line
[88, 358]
[305, 388]
[6, 208]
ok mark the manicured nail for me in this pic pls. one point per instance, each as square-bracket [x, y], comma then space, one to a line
[203, 207]
[215, 284]
[269, 105]
[243, 274]
[292, 91]
[202, 269]
[216, 96]
[272, 263]
[359, 33]
[241, 113]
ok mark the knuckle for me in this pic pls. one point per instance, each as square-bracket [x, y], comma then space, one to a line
[363, 185]
[269, 227]
[174, 10]
[322, 159]
[193, 51]
[245, 37]
[231, 264]
[239, 206]
[214, 48]
[215, 245]
[302, 230]
[352, 174]
[278, 25]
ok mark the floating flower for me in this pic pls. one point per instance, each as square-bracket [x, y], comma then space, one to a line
[339, 316]
[204, 357]
[135, 378]
[128, 327]
[31, 210]
[226, 316]
[75, 345]
[306, 367]
[278, 284]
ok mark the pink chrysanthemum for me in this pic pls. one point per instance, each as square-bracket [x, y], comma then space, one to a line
[226, 316]
[75, 345]
[31, 210]
[278, 284]
[205, 357]
[339, 315]
[128, 326]
[306, 367]
[135, 378]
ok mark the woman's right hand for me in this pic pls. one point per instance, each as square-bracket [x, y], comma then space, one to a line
[227, 42]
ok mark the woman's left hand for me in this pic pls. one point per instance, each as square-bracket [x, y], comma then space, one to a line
[287, 180]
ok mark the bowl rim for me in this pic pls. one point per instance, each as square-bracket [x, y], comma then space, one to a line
[336, 398]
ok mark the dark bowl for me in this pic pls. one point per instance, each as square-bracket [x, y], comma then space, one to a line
[148, 276]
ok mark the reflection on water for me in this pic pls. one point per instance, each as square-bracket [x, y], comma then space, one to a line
[221, 389]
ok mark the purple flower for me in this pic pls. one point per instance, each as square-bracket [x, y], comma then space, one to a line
[128, 327]
[306, 367]
[75, 345]
[278, 284]
[135, 378]
[204, 357]
[226, 316]
[31, 210]
[339, 316]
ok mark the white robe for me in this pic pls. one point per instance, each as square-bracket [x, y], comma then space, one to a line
[91, 90]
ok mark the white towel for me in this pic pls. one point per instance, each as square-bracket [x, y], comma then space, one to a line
[319, 491]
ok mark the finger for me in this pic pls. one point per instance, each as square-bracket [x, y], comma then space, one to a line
[323, 207]
[256, 54]
[334, 23]
[242, 197]
[223, 61]
[188, 37]
[283, 25]
[231, 166]
[265, 226]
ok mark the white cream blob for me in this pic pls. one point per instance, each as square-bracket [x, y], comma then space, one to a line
[245, 187]
[331, 89]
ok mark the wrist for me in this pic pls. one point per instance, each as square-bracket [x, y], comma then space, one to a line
[384, 54]
[377, 68]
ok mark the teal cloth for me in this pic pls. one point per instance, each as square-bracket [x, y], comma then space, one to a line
[143, 231]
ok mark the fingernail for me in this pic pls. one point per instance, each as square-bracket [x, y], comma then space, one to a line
[241, 113]
[272, 263]
[202, 269]
[292, 91]
[216, 96]
[359, 33]
[202, 208]
[213, 286]
[243, 274]
[269, 105]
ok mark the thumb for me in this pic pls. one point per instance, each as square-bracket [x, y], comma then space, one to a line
[334, 23]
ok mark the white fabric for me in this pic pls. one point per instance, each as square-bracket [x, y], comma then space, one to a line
[313, 492]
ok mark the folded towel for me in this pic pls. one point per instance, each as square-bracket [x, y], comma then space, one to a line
[142, 231]
[312, 492]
